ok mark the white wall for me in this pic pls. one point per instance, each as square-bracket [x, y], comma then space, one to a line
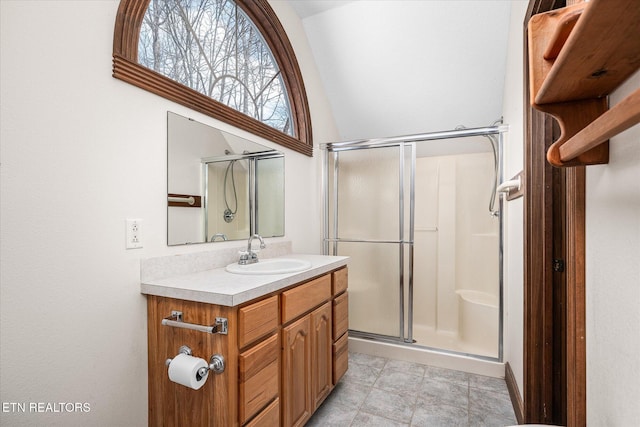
[403, 67]
[613, 280]
[513, 114]
[82, 151]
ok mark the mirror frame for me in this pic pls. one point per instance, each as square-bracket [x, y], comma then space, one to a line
[126, 67]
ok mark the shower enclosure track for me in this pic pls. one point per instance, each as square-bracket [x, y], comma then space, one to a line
[401, 142]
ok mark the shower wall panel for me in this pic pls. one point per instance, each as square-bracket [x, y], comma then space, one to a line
[270, 197]
[447, 266]
[455, 246]
[477, 231]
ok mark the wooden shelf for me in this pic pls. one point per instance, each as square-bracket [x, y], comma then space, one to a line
[577, 56]
[619, 118]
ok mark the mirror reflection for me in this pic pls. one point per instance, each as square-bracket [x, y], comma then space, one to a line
[220, 186]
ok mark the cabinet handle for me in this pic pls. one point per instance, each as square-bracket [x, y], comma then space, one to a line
[175, 320]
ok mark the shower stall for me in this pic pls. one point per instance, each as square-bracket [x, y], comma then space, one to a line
[419, 218]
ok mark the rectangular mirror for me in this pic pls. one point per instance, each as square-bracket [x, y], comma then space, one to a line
[220, 186]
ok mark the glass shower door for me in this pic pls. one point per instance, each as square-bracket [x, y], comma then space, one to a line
[424, 242]
[367, 207]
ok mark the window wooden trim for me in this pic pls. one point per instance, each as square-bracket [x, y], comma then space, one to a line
[126, 67]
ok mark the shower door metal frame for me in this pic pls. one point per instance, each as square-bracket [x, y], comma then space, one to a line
[406, 335]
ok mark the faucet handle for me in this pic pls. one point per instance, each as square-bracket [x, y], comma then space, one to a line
[244, 257]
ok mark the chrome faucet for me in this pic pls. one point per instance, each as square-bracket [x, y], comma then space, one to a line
[250, 257]
[221, 235]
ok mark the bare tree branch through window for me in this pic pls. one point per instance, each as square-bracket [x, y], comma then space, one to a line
[212, 47]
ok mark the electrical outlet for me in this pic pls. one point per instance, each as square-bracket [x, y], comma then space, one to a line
[134, 233]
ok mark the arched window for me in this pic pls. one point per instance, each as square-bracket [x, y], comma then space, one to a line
[228, 59]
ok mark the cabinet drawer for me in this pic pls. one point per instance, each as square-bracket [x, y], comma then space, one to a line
[270, 417]
[340, 357]
[258, 377]
[257, 320]
[340, 315]
[303, 298]
[340, 281]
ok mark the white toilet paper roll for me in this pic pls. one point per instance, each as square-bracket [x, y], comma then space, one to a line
[183, 369]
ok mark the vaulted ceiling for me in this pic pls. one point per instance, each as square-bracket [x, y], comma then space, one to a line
[400, 67]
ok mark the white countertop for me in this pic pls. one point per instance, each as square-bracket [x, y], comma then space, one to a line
[217, 286]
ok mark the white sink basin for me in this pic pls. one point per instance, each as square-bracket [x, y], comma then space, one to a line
[270, 266]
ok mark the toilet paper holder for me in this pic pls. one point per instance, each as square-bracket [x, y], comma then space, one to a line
[216, 362]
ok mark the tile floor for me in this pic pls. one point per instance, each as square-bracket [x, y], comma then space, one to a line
[382, 392]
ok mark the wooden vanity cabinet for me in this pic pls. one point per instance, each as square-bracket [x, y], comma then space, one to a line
[284, 353]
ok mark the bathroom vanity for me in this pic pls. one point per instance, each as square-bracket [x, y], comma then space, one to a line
[283, 338]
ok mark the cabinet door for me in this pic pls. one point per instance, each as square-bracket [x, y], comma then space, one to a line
[321, 349]
[296, 373]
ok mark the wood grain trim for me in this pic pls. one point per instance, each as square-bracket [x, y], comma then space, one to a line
[576, 359]
[171, 403]
[514, 393]
[257, 358]
[257, 391]
[258, 377]
[340, 357]
[340, 315]
[590, 65]
[276, 37]
[621, 117]
[573, 117]
[340, 280]
[304, 298]
[297, 405]
[562, 31]
[538, 129]
[538, 391]
[269, 417]
[573, 114]
[257, 320]
[321, 354]
[538, 280]
[540, 35]
[126, 68]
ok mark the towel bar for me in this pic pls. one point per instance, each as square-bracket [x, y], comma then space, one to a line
[220, 327]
